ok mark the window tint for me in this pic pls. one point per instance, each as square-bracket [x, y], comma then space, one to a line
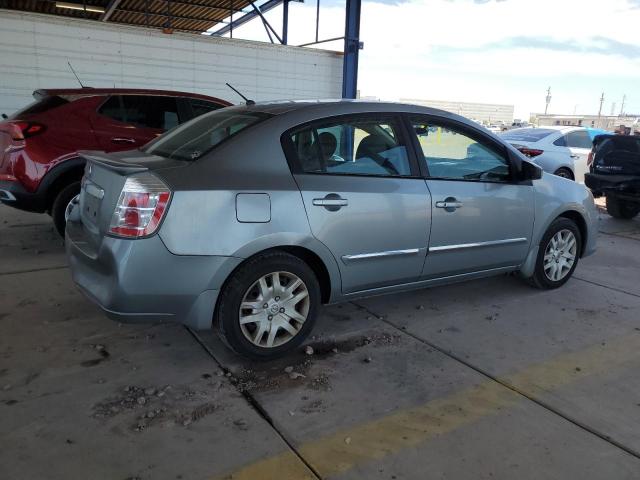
[195, 138]
[526, 134]
[200, 107]
[450, 154]
[354, 146]
[579, 139]
[151, 111]
[40, 106]
[561, 142]
[112, 108]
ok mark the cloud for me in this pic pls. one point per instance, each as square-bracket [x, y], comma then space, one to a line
[597, 44]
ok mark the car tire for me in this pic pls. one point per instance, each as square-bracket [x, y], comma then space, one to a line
[622, 210]
[60, 204]
[545, 275]
[564, 173]
[269, 307]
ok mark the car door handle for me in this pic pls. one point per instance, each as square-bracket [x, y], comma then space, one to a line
[575, 156]
[122, 140]
[331, 202]
[449, 204]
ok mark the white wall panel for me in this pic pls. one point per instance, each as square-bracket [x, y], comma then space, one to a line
[34, 50]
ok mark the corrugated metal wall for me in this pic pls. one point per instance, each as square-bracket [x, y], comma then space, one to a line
[34, 50]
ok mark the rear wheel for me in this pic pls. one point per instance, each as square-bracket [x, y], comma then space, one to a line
[268, 306]
[564, 173]
[558, 254]
[62, 204]
[619, 209]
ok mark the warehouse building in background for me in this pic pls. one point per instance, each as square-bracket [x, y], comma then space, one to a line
[484, 112]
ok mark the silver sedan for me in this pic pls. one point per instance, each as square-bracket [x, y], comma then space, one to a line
[248, 219]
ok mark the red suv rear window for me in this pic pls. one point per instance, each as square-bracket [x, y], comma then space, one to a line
[40, 106]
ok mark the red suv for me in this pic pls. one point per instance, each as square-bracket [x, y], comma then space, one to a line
[39, 168]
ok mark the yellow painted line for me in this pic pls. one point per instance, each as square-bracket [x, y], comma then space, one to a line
[360, 444]
[284, 466]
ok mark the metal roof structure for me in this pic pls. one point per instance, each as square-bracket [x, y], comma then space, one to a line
[217, 17]
[195, 16]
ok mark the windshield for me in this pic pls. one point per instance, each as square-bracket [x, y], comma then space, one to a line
[200, 135]
[527, 134]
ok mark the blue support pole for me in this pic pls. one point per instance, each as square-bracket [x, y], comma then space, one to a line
[285, 22]
[351, 49]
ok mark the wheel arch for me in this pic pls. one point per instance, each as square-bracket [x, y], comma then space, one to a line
[58, 177]
[580, 222]
[313, 259]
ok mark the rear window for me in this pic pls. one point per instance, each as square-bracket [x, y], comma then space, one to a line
[606, 144]
[195, 138]
[41, 106]
[526, 134]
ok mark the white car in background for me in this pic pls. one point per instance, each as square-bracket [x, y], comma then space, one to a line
[560, 150]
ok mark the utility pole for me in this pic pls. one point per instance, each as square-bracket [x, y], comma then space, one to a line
[600, 110]
[548, 99]
[624, 99]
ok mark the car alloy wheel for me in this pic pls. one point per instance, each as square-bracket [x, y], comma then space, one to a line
[274, 309]
[560, 255]
[67, 211]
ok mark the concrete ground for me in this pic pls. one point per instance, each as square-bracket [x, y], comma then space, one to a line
[484, 380]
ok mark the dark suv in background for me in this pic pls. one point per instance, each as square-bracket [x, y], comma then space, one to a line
[40, 169]
[614, 171]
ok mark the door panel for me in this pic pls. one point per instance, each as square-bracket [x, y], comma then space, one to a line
[126, 122]
[377, 228]
[363, 197]
[491, 227]
[481, 219]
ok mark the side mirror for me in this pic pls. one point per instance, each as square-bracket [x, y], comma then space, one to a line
[529, 171]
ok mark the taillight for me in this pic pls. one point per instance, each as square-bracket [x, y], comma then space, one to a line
[24, 130]
[529, 152]
[141, 206]
[590, 159]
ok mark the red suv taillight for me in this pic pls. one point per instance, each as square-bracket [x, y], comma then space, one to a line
[24, 130]
[590, 159]
[141, 206]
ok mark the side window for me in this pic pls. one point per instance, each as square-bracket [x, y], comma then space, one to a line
[200, 107]
[112, 108]
[561, 142]
[151, 111]
[355, 146]
[453, 155]
[579, 139]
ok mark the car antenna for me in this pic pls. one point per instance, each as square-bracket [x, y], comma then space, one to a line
[248, 102]
[76, 75]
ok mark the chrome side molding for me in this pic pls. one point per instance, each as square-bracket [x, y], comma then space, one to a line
[445, 248]
[388, 253]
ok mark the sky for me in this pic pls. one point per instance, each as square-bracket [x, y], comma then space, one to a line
[491, 51]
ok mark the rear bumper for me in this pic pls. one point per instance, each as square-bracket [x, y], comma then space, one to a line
[15, 195]
[140, 281]
[627, 186]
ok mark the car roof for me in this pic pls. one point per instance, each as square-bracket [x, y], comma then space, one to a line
[345, 107]
[89, 91]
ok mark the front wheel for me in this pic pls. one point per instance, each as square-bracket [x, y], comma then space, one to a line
[623, 210]
[558, 254]
[268, 306]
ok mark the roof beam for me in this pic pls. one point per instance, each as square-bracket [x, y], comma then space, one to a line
[265, 7]
[177, 17]
[111, 7]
